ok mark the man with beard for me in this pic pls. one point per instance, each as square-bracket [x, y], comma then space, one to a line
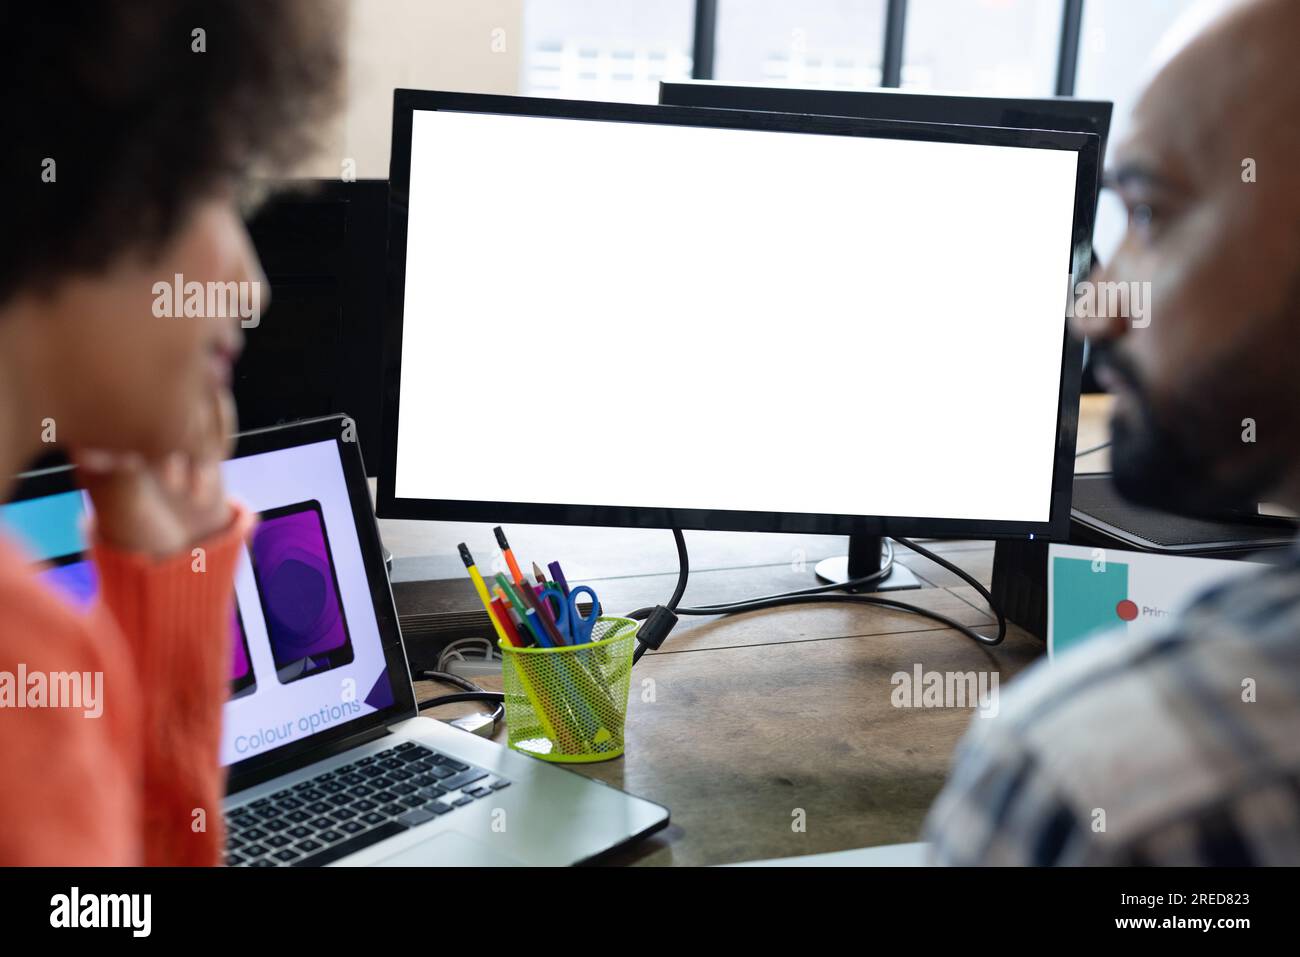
[1184, 748]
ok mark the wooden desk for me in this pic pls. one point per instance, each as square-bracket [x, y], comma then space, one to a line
[739, 723]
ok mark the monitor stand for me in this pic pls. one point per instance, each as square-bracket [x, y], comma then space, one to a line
[864, 557]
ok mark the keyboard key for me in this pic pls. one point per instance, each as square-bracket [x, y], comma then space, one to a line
[276, 825]
[263, 862]
[254, 833]
[281, 795]
[424, 780]
[373, 818]
[431, 792]
[256, 850]
[361, 790]
[498, 784]
[289, 804]
[301, 786]
[298, 817]
[392, 810]
[344, 814]
[261, 802]
[454, 764]
[461, 802]
[400, 789]
[481, 792]
[323, 823]
[364, 805]
[307, 846]
[338, 800]
[234, 860]
[405, 746]
[414, 800]
[312, 794]
[329, 836]
[365, 761]
[351, 827]
[438, 807]
[458, 781]
[287, 855]
[416, 816]
[392, 764]
[277, 840]
[299, 832]
[352, 845]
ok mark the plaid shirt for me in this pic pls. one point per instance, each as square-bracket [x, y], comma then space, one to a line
[1183, 748]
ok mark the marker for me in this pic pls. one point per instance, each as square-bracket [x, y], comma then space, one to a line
[558, 574]
[529, 597]
[543, 635]
[508, 626]
[481, 588]
[510, 556]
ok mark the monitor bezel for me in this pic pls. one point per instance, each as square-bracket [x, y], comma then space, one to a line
[1056, 527]
[1072, 113]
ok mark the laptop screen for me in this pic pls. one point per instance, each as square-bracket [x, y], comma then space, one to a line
[307, 654]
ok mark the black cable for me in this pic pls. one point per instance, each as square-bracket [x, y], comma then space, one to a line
[469, 692]
[660, 619]
[683, 569]
[819, 595]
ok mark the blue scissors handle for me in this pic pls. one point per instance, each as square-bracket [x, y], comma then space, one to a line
[580, 627]
[576, 629]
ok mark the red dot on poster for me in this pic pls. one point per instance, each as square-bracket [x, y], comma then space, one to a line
[1126, 610]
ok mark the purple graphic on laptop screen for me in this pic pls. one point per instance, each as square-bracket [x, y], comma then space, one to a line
[299, 591]
[240, 667]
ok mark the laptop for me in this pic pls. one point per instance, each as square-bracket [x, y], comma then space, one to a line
[328, 761]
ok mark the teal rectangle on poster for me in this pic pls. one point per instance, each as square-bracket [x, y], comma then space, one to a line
[1085, 596]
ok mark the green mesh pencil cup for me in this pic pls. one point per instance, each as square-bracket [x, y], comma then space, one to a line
[569, 703]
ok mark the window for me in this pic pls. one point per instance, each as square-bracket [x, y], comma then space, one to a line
[605, 49]
[823, 43]
[991, 47]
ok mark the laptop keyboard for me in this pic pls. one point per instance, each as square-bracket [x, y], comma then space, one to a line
[353, 806]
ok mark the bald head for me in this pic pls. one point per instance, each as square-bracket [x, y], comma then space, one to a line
[1210, 175]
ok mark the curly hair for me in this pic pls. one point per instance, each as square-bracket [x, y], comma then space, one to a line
[120, 115]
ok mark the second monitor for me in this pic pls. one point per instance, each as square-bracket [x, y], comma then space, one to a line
[609, 314]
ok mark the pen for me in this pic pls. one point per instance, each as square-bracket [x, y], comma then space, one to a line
[509, 555]
[481, 588]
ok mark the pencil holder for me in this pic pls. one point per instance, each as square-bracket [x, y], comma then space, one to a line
[568, 704]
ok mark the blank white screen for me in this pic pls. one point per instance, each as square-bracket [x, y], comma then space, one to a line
[781, 322]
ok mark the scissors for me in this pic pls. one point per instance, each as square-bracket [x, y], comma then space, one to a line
[567, 617]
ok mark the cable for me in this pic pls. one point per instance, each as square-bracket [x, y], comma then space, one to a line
[817, 595]
[469, 692]
[1095, 448]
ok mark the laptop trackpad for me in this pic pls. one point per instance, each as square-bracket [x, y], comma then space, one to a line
[450, 849]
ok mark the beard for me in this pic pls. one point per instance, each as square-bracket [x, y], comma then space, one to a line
[1170, 459]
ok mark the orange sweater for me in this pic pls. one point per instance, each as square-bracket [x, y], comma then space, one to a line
[141, 783]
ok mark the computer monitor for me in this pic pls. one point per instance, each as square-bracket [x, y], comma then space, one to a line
[318, 349]
[1046, 113]
[637, 315]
